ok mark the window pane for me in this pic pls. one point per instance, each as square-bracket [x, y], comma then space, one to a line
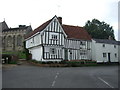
[104, 54]
[115, 54]
[53, 51]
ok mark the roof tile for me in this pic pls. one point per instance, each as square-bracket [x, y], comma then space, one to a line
[38, 29]
[76, 32]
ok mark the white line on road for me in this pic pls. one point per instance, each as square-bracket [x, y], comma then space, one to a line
[105, 82]
[53, 83]
[57, 73]
[56, 77]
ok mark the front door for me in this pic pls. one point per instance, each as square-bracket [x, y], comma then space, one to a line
[109, 57]
[66, 54]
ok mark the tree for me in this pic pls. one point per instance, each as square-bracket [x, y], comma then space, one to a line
[99, 30]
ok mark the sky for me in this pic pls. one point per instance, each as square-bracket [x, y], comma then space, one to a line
[73, 12]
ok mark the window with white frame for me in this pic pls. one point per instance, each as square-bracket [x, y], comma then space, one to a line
[115, 55]
[114, 46]
[54, 37]
[104, 55]
[103, 45]
[82, 52]
[82, 42]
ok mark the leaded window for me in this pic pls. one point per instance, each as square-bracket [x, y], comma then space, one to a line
[19, 40]
[52, 50]
[9, 41]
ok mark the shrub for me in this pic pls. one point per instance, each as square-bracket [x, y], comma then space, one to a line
[20, 54]
[78, 63]
[62, 62]
[49, 62]
[12, 62]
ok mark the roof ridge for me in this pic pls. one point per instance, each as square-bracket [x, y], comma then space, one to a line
[103, 39]
[72, 31]
[72, 25]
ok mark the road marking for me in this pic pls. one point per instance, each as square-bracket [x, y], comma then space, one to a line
[56, 77]
[105, 82]
[57, 73]
[53, 83]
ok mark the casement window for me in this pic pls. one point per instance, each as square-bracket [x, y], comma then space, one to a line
[82, 42]
[19, 40]
[52, 50]
[104, 55]
[54, 37]
[115, 55]
[114, 46]
[82, 52]
[103, 45]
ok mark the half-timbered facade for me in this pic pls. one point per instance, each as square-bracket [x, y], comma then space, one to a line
[53, 41]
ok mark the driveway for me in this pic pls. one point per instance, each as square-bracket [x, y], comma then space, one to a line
[28, 76]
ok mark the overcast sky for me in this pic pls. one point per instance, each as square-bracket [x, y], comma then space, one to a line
[73, 12]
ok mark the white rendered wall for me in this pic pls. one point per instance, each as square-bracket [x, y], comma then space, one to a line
[36, 53]
[98, 50]
[33, 41]
[118, 53]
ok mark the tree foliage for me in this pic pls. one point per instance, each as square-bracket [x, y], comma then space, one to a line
[99, 30]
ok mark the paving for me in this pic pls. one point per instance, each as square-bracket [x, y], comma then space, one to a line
[29, 76]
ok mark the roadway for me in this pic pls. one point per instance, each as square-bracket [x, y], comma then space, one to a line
[28, 76]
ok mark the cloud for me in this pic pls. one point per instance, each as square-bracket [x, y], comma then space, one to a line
[74, 12]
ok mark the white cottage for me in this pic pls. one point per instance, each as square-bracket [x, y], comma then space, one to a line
[104, 50]
[54, 41]
[119, 51]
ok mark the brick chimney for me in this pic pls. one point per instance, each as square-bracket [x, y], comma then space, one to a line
[60, 20]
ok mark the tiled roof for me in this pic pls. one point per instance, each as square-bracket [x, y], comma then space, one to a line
[40, 28]
[76, 32]
[107, 41]
[73, 32]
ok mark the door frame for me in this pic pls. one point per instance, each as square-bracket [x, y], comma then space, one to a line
[109, 57]
[66, 54]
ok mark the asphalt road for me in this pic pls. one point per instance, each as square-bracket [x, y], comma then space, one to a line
[26, 76]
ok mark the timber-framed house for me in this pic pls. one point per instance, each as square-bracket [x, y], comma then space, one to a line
[54, 41]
